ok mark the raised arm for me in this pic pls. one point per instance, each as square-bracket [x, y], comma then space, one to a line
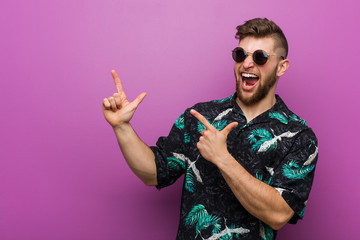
[118, 112]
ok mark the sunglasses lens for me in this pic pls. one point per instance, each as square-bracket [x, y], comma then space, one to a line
[260, 57]
[238, 54]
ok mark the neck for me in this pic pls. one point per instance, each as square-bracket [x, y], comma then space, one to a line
[254, 110]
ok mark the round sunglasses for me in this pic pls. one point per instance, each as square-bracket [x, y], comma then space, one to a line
[260, 57]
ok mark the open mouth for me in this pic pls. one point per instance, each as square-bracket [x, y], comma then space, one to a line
[249, 80]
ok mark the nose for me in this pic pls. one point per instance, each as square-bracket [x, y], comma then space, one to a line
[248, 62]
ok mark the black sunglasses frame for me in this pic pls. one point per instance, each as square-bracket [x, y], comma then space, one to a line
[260, 57]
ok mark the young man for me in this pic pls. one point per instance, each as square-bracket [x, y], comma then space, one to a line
[248, 160]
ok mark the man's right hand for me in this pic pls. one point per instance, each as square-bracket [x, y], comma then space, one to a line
[117, 109]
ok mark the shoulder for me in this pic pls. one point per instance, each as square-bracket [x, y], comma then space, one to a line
[286, 120]
[306, 134]
[286, 116]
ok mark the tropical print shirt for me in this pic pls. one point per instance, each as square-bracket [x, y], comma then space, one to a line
[277, 147]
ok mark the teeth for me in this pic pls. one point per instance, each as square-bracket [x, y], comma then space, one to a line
[248, 75]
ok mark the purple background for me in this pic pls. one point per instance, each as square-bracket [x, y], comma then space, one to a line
[62, 175]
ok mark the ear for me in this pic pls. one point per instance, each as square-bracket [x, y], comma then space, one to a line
[282, 67]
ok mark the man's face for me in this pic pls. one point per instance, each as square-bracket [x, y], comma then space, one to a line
[254, 82]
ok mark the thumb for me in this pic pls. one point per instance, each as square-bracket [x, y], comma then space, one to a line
[228, 128]
[138, 99]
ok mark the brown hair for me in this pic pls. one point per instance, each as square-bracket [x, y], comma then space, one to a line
[262, 27]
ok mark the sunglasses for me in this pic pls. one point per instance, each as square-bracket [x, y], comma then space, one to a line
[260, 57]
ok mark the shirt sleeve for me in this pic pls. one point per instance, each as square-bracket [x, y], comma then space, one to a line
[170, 153]
[293, 178]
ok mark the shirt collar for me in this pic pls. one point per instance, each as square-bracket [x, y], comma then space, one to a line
[279, 106]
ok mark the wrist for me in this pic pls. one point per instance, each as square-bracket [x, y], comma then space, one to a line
[122, 127]
[224, 160]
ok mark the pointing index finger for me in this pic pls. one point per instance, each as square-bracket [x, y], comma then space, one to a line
[201, 119]
[117, 81]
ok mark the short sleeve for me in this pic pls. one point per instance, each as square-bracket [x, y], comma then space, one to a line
[170, 153]
[293, 178]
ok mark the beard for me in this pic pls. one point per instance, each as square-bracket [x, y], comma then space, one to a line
[261, 92]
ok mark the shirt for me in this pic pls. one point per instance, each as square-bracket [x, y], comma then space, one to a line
[277, 147]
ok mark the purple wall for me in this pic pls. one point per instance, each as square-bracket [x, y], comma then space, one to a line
[62, 175]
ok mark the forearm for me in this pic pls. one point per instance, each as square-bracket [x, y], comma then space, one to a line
[137, 154]
[257, 197]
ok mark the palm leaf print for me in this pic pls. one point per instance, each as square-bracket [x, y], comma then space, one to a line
[259, 136]
[206, 221]
[219, 125]
[186, 138]
[272, 144]
[179, 123]
[303, 211]
[224, 99]
[175, 163]
[268, 181]
[197, 212]
[189, 181]
[279, 117]
[312, 157]
[228, 232]
[222, 114]
[266, 232]
[263, 141]
[195, 171]
[260, 177]
[292, 170]
[199, 216]
[191, 165]
[226, 237]
[293, 117]
[231, 227]
[270, 170]
[181, 157]
[280, 190]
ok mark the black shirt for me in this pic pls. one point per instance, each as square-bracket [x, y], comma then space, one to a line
[277, 147]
